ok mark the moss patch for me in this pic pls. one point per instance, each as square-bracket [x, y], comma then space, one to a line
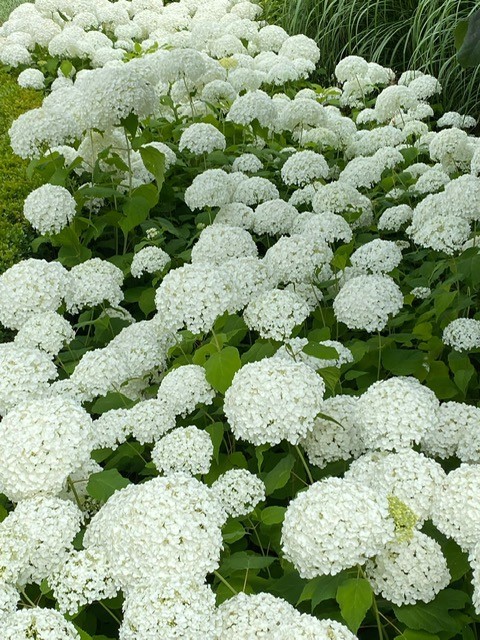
[14, 185]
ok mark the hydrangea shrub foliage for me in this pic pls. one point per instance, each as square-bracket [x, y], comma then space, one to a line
[239, 392]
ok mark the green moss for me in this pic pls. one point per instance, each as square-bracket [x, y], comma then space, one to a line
[14, 184]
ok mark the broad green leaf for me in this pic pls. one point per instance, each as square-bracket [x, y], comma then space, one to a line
[438, 380]
[320, 351]
[459, 33]
[112, 400]
[154, 161]
[221, 367]
[320, 589]
[434, 616]
[216, 431]
[258, 351]
[273, 515]
[233, 531]
[411, 634]
[402, 362]
[469, 53]
[355, 597]
[243, 560]
[279, 475]
[103, 484]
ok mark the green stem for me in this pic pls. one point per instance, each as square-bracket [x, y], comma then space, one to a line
[75, 494]
[304, 462]
[110, 612]
[225, 582]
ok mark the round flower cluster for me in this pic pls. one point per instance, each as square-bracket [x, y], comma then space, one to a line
[185, 387]
[186, 449]
[275, 217]
[49, 331]
[44, 624]
[201, 138]
[238, 492]
[395, 413]
[273, 400]
[218, 243]
[304, 167]
[377, 256]
[334, 525]
[409, 571]
[49, 208]
[409, 476]
[28, 288]
[146, 532]
[93, 282]
[367, 301]
[462, 334]
[274, 314]
[24, 374]
[31, 79]
[455, 432]
[149, 260]
[335, 435]
[56, 440]
[265, 616]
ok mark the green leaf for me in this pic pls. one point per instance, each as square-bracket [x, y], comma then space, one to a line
[154, 161]
[66, 67]
[410, 634]
[439, 381]
[320, 351]
[273, 515]
[243, 560]
[320, 589]
[113, 400]
[434, 616]
[402, 362]
[103, 484]
[258, 351]
[221, 367]
[355, 597]
[459, 33]
[216, 431]
[279, 475]
[469, 53]
[233, 531]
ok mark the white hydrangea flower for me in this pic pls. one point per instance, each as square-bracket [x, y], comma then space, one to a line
[36, 538]
[200, 137]
[329, 226]
[45, 624]
[186, 449]
[172, 610]
[183, 388]
[194, 296]
[377, 256]
[49, 208]
[48, 331]
[263, 615]
[340, 197]
[28, 288]
[275, 217]
[149, 260]
[235, 214]
[218, 243]
[462, 334]
[273, 400]
[170, 157]
[145, 532]
[238, 492]
[421, 292]
[300, 46]
[56, 440]
[334, 525]
[407, 475]
[31, 79]
[366, 302]
[350, 68]
[299, 259]
[394, 217]
[24, 374]
[212, 188]
[255, 190]
[253, 105]
[335, 439]
[395, 413]
[274, 314]
[392, 100]
[458, 120]
[93, 282]
[456, 512]
[304, 167]
[409, 571]
[247, 163]
[456, 422]
[81, 580]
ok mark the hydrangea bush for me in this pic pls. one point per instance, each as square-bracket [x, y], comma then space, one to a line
[239, 395]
